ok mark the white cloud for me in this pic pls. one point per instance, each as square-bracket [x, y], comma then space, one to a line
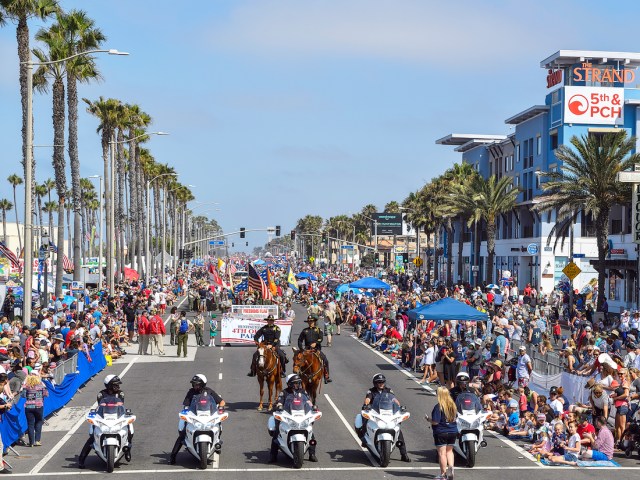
[450, 33]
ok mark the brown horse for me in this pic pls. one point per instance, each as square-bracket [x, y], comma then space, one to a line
[308, 365]
[268, 368]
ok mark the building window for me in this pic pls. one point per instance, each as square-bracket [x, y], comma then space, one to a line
[553, 141]
[538, 145]
[517, 152]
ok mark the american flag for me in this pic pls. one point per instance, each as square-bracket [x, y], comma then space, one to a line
[241, 287]
[232, 268]
[52, 247]
[6, 252]
[256, 282]
[67, 264]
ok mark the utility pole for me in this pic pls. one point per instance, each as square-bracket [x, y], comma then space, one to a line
[634, 179]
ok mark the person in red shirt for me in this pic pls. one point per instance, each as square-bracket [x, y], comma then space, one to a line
[143, 334]
[585, 427]
[490, 297]
[557, 332]
[156, 333]
[70, 335]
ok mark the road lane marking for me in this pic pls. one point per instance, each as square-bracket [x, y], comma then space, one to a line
[175, 471]
[220, 376]
[398, 367]
[221, 359]
[35, 470]
[517, 448]
[351, 431]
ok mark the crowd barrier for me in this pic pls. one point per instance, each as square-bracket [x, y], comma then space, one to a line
[14, 422]
[573, 385]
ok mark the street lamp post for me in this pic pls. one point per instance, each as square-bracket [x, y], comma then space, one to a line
[44, 245]
[147, 260]
[28, 178]
[100, 232]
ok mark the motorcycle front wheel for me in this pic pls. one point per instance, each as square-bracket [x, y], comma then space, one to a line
[298, 454]
[203, 453]
[384, 449]
[111, 457]
[471, 453]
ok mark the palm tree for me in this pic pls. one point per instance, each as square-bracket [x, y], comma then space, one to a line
[87, 193]
[310, 224]
[15, 180]
[4, 206]
[459, 176]
[41, 191]
[55, 50]
[49, 208]
[80, 34]
[588, 182]
[107, 112]
[488, 199]
[20, 11]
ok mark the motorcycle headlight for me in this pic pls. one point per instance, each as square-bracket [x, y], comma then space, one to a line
[463, 424]
[303, 423]
[381, 424]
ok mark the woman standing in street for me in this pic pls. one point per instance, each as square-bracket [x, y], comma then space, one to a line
[34, 391]
[173, 325]
[445, 432]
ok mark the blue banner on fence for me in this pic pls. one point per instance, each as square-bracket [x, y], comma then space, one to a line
[14, 422]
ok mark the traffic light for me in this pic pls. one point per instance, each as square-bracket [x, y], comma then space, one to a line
[232, 244]
[325, 236]
[241, 232]
[277, 230]
[247, 244]
[293, 234]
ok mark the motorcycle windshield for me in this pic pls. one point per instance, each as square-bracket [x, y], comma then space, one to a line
[297, 404]
[203, 405]
[385, 401]
[111, 406]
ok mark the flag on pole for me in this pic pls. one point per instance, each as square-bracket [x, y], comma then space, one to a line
[291, 280]
[271, 283]
[6, 252]
[255, 282]
[221, 265]
[232, 268]
[67, 264]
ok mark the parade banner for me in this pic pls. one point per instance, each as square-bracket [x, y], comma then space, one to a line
[239, 330]
[258, 312]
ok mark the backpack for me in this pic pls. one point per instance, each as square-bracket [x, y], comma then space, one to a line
[184, 326]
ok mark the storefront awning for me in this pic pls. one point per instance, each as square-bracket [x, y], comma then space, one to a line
[617, 267]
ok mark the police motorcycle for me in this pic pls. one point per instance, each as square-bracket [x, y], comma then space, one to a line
[295, 427]
[383, 426]
[470, 434]
[110, 424]
[203, 421]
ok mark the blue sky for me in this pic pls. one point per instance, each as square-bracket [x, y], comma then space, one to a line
[282, 108]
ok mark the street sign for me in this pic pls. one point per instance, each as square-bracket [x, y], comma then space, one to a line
[77, 286]
[400, 249]
[417, 262]
[475, 268]
[571, 270]
[578, 255]
[347, 247]
[216, 242]
[532, 249]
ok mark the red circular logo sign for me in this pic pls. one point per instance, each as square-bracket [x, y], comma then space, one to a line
[578, 104]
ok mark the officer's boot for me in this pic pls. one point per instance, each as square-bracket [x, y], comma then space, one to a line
[176, 448]
[283, 365]
[326, 374]
[403, 452]
[84, 453]
[252, 371]
[312, 450]
[273, 454]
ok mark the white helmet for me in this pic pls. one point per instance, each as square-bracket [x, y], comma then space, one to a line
[199, 378]
[111, 379]
[289, 377]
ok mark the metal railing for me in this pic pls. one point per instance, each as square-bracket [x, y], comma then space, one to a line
[64, 368]
[547, 364]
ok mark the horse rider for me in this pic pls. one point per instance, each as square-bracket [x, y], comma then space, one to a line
[311, 338]
[294, 388]
[270, 334]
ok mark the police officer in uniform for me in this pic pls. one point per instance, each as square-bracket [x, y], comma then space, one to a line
[112, 385]
[270, 334]
[311, 338]
[379, 386]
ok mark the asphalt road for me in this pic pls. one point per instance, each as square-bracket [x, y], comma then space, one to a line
[155, 387]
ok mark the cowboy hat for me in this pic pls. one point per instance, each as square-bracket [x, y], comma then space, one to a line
[590, 383]
[311, 318]
[270, 317]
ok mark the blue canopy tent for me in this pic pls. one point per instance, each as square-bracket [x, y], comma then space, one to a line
[304, 275]
[346, 288]
[447, 309]
[259, 262]
[371, 283]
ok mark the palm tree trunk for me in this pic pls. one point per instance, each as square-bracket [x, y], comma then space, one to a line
[460, 247]
[158, 223]
[602, 234]
[60, 174]
[491, 247]
[22, 37]
[120, 204]
[40, 213]
[106, 134]
[449, 225]
[436, 256]
[74, 162]
[15, 209]
[139, 211]
[69, 242]
[476, 251]
[4, 226]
